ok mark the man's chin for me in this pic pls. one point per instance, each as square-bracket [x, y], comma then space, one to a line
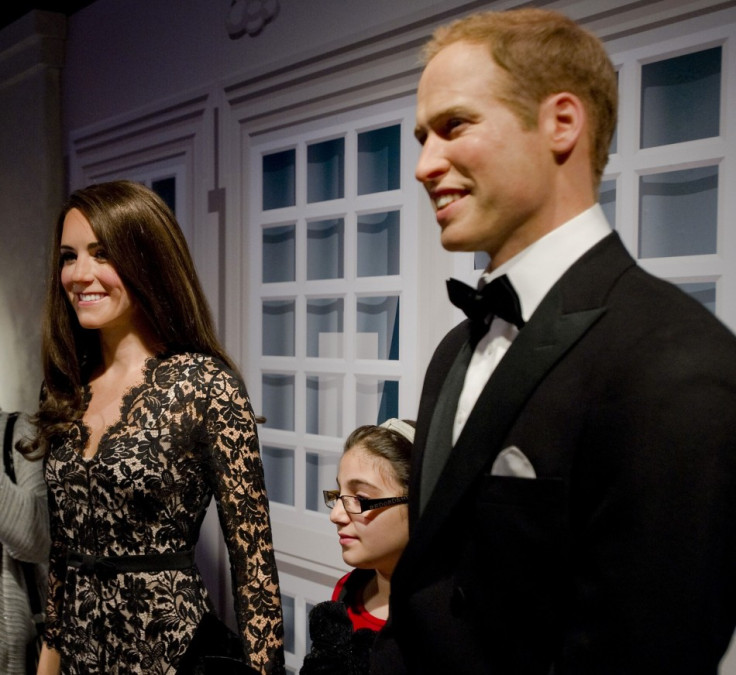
[455, 244]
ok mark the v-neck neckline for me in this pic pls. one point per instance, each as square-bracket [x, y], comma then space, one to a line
[125, 401]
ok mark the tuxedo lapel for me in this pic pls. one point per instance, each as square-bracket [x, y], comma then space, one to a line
[439, 440]
[568, 311]
[542, 343]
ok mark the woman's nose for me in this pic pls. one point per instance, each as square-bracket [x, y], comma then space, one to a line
[82, 270]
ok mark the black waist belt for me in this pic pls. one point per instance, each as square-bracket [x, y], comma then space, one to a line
[104, 565]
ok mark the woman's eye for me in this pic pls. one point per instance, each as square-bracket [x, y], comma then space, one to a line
[101, 254]
[66, 258]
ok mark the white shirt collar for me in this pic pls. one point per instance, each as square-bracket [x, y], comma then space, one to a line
[537, 268]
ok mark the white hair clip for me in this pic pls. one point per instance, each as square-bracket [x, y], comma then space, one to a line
[400, 427]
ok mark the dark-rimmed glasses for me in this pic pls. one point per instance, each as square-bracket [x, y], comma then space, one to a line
[359, 504]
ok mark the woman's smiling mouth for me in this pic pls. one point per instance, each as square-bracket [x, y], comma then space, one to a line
[90, 297]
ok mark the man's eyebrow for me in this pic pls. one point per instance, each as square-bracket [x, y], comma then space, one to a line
[438, 118]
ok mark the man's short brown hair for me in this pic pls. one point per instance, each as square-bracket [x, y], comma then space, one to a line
[543, 53]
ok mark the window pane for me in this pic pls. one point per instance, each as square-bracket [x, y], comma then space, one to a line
[279, 180]
[320, 474]
[278, 401]
[379, 160]
[613, 147]
[279, 259]
[287, 607]
[377, 330]
[278, 468]
[678, 213]
[309, 607]
[324, 405]
[681, 98]
[607, 200]
[378, 244]
[376, 400]
[325, 327]
[704, 293]
[278, 327]
[326, 170]
[166, 189]
[325, 249]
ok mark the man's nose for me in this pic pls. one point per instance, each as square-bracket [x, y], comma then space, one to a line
[432, 162]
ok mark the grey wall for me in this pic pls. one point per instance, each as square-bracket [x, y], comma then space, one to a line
[31, 189]
[139, 51]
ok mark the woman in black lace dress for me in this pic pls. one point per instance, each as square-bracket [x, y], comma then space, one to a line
[143, 419]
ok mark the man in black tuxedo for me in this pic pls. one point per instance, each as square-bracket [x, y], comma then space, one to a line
[573, 498]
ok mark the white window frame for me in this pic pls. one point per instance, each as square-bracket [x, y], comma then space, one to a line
[302, 535]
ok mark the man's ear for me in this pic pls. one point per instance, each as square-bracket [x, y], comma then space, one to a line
[563, 118]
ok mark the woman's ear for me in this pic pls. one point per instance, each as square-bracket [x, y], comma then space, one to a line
[563, 118]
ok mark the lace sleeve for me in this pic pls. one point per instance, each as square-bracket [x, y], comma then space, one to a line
[240, 493]
[55, 593]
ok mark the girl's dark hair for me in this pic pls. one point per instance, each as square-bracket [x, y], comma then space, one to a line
[386, 443]
[146, 246]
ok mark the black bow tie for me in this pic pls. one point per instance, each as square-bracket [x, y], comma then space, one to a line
[497, 298]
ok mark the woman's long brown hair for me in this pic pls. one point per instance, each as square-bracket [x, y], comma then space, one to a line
[147, 248]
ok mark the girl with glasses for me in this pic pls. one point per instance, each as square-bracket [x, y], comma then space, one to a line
[372, 519]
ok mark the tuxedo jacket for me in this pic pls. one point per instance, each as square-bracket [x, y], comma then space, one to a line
[620, 556]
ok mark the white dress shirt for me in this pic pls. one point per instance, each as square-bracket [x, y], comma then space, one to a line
[532, 273]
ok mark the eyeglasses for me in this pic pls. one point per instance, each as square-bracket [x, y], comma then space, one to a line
[359, 504]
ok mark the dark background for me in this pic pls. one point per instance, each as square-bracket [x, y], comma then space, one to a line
[12, 10]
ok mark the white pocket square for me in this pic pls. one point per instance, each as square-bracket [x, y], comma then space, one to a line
[513, 462]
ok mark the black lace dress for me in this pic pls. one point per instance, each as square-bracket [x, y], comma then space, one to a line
[186, 433]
